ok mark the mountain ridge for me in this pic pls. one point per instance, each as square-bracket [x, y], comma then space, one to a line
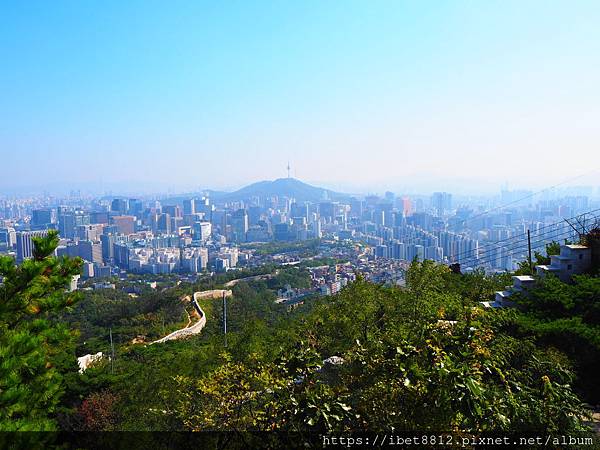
[290, 187]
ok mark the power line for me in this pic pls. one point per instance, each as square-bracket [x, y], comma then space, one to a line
[511, 252]
[517, 239]
[522, 235]
[529, 196]
[523, 246]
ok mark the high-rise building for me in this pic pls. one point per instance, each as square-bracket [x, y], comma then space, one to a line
[202, 231]
[90, 232]
[239, 223]
[68, 221]
[407, 208]
[125, 224]
[172, 210]
[189, 206]
[107, 240]
[119, 206]
[90, 251]
[299, 210]
[136, 207]
[441, 203]
[8, 237]
[282, 232]
[327, 210]
[42, 217]
[99, 217]
[25, 244]
[163, 223]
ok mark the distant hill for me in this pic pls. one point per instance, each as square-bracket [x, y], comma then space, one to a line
[289, 187]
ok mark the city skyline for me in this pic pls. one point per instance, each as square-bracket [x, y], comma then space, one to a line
[569, 186]
[358, 97]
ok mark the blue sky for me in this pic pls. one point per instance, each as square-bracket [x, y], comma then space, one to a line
[366, 95]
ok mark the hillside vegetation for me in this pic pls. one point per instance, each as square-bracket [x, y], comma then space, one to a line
[424, 357]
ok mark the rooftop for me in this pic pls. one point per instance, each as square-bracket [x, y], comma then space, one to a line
[524, 278]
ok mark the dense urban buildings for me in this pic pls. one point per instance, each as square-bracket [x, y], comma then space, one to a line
[194, 233]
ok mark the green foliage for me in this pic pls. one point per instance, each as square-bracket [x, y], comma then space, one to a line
[567, 317]
[152, 315]
[423, 357]
[403, 368]
[34, 352]
[553, 248]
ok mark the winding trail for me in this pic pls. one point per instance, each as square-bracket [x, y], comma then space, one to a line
[198, 326]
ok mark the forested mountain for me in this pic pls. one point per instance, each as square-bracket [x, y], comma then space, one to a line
[289, 187]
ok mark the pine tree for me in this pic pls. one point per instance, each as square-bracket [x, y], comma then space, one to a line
[32, 346]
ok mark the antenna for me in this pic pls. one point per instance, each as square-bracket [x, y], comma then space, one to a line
[288, 169]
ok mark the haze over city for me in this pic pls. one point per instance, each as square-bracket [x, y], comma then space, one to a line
[299, 224]
[357, 96]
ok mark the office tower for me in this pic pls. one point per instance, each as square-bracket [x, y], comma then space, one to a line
[69, 221]
[136, 207]
[107, 241]
[191, 219]
[254, 215]
[121, 254]
[119, 206]
[110, 229]
[282, 232]
[176, 223]
[90, 232]
[239, 224]
[327, 211]
[172, 210]
[317, 232]
[99, 217]
[356, 208]
[101, 271]
[66, 224]
[406, 206]
[189, 206]
[90, 251]
[125, 224]
[25, 244]
[299, 210]
[88, 270]
[441, 203]
[163, 223]
[42, 217]
[202, 231]
[8, 237]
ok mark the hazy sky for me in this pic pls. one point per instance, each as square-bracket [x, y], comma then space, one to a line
[369, 95]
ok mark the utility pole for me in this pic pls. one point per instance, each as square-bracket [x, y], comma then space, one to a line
[529, 250]
[288, 169]
[112, 351]
[225, 317]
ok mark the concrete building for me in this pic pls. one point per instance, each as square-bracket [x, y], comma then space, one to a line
[42, 217]
[25, 244]
[573, 260]
[90, 251]
[125, 224]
